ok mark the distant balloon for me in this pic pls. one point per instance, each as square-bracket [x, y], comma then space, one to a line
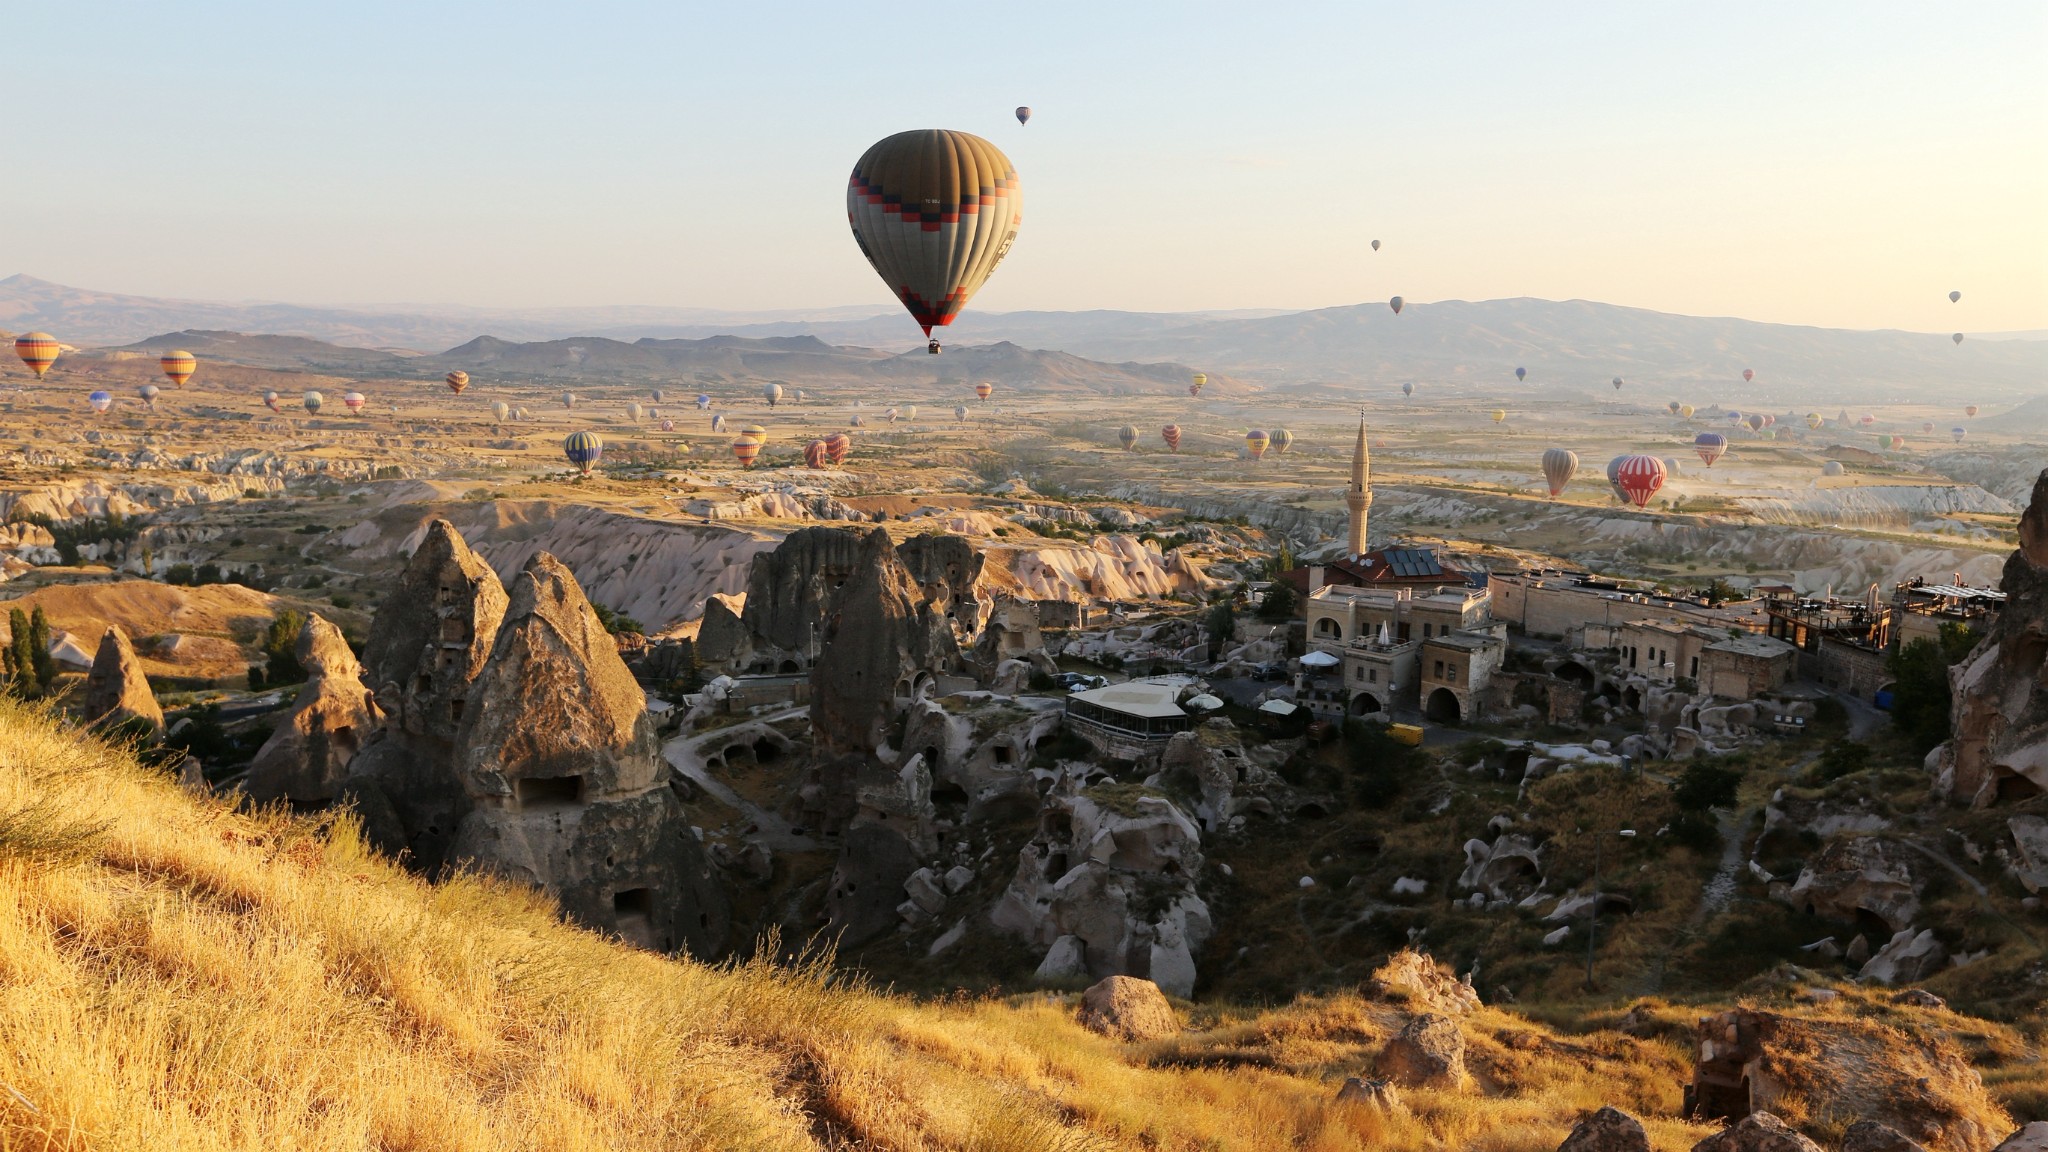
[984, 390]
[353, 401]
[1023, 114]
[500, 411]
[1559, 465]
[1927, 427]
[1255, 442]
[703, 402]
[1674, 406]
[858, 420]
[1617, 383]
[745, 449]
[1832, 468]
[1958, 434]
[657, 396]
[1639, 477]
[1195, 386]
[149, 393]
[583, 450]
[312, 401]
[1867, 420]
[718, 422]
[756, 431]
[1969, 409]
[38, 350]
[1814, 420]
[1499, 414]
[270, 400]
[934, 211]
[1686, 411]
[1958, 337]
[1671, 466]
[668, 425]
[837, 445]
[1395, 304]
[1127, 436]
[634, 412]
[814, 454]
[100, 401]
[1710, 446]
[568, 400]
[1521, 373]
[1954, 296]
[890, 415]
[1375, 245]
[1898, 443]
[1755, 422]
[1282, 440]
[771, 393]
[960, 412]
[457, 381]
[1749, 373]
[1408, 388]
[178, 366]
[1171, 434]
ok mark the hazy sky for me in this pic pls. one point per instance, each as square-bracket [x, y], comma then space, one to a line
[1841, 164]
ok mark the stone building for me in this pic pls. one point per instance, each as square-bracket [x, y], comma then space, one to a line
[1745, 667]
[1567, 604]
[1343, 614]
[1455, 672]
[1663, 651]
[1381, 677]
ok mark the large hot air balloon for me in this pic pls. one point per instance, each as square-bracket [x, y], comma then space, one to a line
[1559, 465]
[1954, 296]
[745, 449]
[583, 450]
[837, 445]
[1171, 434]
[1814, 420]
[312, 401]
[1638, 476]
[1408, 388]
[703, 402]
[771, 393]
[718, 422]
[353, 401]
[984, 390]
[149, 393]
[100, 401]
[38, 350]
[270, 401]
[1127, 436]
[178, 366]
[457, 381]
[1969, 409]
[1395, 304]
[1023, 114]
[1710, 446]
[1282, 440]
[1375, 245]
[1749, 373]
[934, 211]
[568, 400]
[500, 411]
[1499, 414]
[1957, 337]
[814, 454]
[1255, 442]
[959, 411]
[1958, 434]
[1521, 373]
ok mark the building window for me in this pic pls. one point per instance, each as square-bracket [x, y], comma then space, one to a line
[1402, 631]
[1372, 675]
[1450, 671]
[1425, 630]
[1439, 669]
[1695, 667]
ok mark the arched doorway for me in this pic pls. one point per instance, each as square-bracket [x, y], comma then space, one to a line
[1443, 707]
[1575, 672]
[1328, 629]
[1365, 704]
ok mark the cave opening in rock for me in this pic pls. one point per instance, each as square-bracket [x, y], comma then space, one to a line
[547, 791]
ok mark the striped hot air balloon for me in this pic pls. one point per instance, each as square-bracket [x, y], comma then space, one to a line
[984, 390]
[756, 431]
[149, 393]
[270, 401]
[890, 415]
[1749, 374]
[1171, 434]
[1559, 465]
[814, 454]
[500, 411]
[313, 402]
[934, 211]
[583, 450]
[745, 449]
[1255, 442]
[178, 366]
[1710, 446]
[1282, 440]
[1127, 436]
[457, 381]
[1639, 477]
[718, 422]
[1959, 434]
[837, 446]
[100, 401]
[1814, 420]
[38, 350]
[353, 401]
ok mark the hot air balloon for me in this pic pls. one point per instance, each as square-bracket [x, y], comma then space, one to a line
[799, 395]
[1958, 434]
[745, 449]
[1958, 337]
[1832, 468]
[1749, 373]
[1282, 440]
[1769, 419]
[1499, 414]
[657, 396]
[1898, 443]
[178, 366]
[1408, 388]
[718, 422]
[1710, 446]
[312, 401]
[1171, 434]
[934, 211]
[960, 412]
[1127, 436]
[1255, 442]
[353, 401]
[1195, 386]
[100, 401]
[568, 400]
[1686, 411]
[634, 412]
[814, 454]
[1673, 407]
[668, 425]
[1023, 114]
[703, 402]
[1521, 373]
[1375, 245]
[984, 390]
[1927, 427]
[756, 431]
[1671, 466]
[910, 412]
[837, 445]
[771, 393]
[583, 450]
[1867, 420]
[890, 415]
[1814, 420]
[270, 400]
[1954, 296]
[1969, 409]
[149, 393]
[1617, 383]
[457, 381]
[38, 350]
[1559, 465]
[1395, 304]
[500, 411]
[1639, 477]
[858, 421]
[1756, 423]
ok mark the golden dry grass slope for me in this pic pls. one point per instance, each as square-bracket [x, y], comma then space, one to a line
[178, 974]
[212, 624]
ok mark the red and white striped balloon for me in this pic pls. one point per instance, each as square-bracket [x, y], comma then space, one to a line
[1639, 477]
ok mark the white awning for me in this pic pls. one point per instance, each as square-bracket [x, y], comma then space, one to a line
[1321, 659]
[1205, 702]
[1278, 708]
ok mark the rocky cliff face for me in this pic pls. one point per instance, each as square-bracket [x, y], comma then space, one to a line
[789, 588]
[116, 692]
[1999, 746]
[881, 642]
[306, 759]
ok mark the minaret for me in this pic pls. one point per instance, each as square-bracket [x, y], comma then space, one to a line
[1358, 497]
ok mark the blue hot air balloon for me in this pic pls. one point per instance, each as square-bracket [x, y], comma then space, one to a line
[583, 450]
[100, 401]
[1521, 373]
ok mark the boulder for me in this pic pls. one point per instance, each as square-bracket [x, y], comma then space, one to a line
[1428, 1052]
[1507, 869]
[1908, 957]
[1872, 1136]
[1859, 874]
[305, 761]
[1998, 747]
[1918, 998]
[116, 692]
[1067, 959]
[2030, 851]
[723, 642]
[1757, 1132]
[1608, 1130]
[1128, 1008]
[1379, 1095]
[2032, 1138]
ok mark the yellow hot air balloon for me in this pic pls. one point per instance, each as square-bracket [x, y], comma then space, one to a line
[934, 211]
[1814, 420]
[178, 366]
[745, 449]
[1499, 415]
[984, 390]
[1686, 411]
[759, 433]
[1255, 442]
[457, 381]
[38, 350]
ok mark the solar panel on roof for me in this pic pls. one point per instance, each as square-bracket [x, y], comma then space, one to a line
[1413, 562]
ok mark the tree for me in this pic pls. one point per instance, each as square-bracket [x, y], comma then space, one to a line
[280, 650]
[615, 622]
[1222, 624]
[1281, 562]
[21, 663]
[1920, 693]
[1279, 602]
[44, 664]
[1720, 591]
[1379, 764]
[1705, 785]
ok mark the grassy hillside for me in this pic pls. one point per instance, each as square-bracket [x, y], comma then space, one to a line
[176, 974]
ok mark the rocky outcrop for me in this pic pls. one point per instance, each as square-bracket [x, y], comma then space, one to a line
[1429, 1052]
[1510, 868]
[2032, 1138]
[789, 589]
[1212, 764]
[557, 759]
[1857, 876]
[1909, 956]
[2030, 851]
[306, 760]
[1998, 748]
[1128, 1009]
[1873, 1136]
[1759, 1132]
[1608, 1130]
[947, 569]
[430, 639]
[881, 643]
[117, 694]
[1415, 979]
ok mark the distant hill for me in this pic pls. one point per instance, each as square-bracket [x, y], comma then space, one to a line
[265, 351]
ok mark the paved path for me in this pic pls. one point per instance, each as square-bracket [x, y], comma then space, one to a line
[684, 755]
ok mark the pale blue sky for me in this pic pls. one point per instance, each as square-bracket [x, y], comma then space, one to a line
[1830, 163]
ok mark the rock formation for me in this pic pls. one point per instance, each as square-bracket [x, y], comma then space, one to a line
[306, 760]
[1860, 876]
[2032, 1138]
[947, 570]
[116, 692]
[1872, 1136]
[557, 759]
[1758, 1132]
[1429, 1052]
[1414, 979]
[1128, 1009]
[1608, 1130]
[1998, 749]
[881, 642]
[427, 644]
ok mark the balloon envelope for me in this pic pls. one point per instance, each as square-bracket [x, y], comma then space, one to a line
[1954, 296]
[1617, 383]
[1408, 389]
[745, 449]
[1959, 433]
[1749, 373]
[457, 381]
[1832, 468]
[1639, 477]
[1282, 440]
[312, 401]
[1559, 465]
[934, 211]
[149, 393]
[1969, 409]
[1375, 245]
[1958, 337]
[583, 450]
[1521, 373]
[1499, 414]
[1255, 442]
[814, 454]
[100, 401]
[1023, 114]
[38, 350]
[1127, 436]
[984, 390]
[568, 399]
[837, 445]
[1395, 304]
[353, 401]
[178, 366]
[500, 410]
[1171, 434]
[270, 400]
[771, 393]
[1710, 446]
[960, 411]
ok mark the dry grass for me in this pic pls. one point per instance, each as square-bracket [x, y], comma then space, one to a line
[176, 974]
